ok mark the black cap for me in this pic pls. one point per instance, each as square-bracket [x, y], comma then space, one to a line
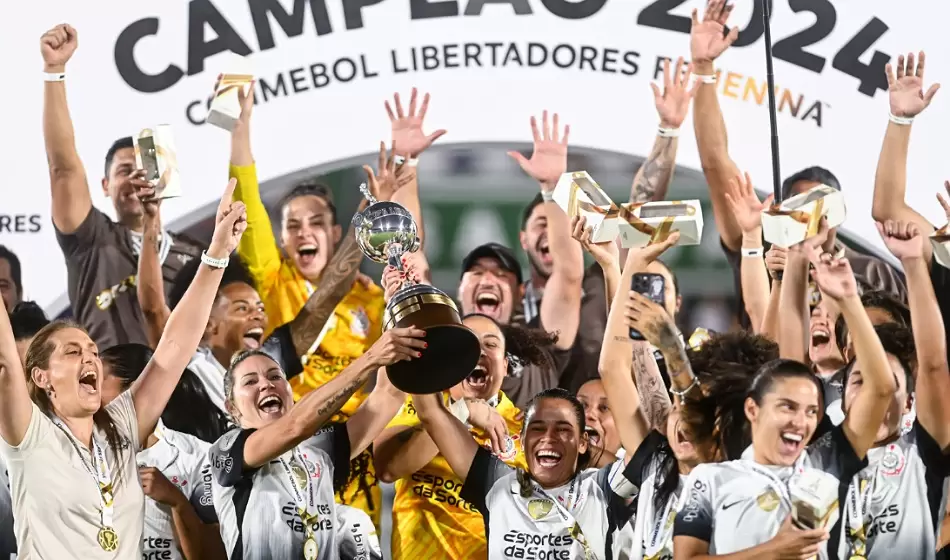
[496, 251]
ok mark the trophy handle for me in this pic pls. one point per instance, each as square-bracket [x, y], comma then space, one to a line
[364, 188]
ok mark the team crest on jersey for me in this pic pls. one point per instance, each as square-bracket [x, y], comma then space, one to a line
[359, 322]
[892, 464]
[768, 501]
[539, 509]
[179, 482]
[313, 469]
[509, 452]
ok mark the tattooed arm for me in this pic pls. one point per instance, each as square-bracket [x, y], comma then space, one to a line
[654, 400]
[655, 175]
[335, 283]
[319, 405]
[658, 328]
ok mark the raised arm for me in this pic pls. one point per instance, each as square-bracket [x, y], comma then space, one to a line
[793, 300]
[258, 248]
[634, 411]
[17, 407]
[374, 414]
[561, 306]
[409, 142]
[706, 44]
[69, 189]
[318, 406]
[606, 254]
[453, 439]
[907, 100]
[655, 175]
[186, 325]
[150, 286]
[747, 209]
[905, 241]
[836, 280]
[775, 263]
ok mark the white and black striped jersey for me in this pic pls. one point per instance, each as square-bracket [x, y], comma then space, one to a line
[534, 527]
[898, 501]
[256, 507]
[183, 459]
[723, 496]
[649, 533]
[357, 535]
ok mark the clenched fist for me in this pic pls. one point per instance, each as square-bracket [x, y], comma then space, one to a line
[57, 46]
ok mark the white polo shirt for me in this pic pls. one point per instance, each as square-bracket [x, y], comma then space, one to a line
[183, 459]
[56, 500]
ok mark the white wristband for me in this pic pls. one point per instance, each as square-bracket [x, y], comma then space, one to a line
[755, 252]
[213, 262]
[668, 132]
[903, 121]
[411, 162]
[459, 409]
[706, 78]
[547, 196]
[54, 76]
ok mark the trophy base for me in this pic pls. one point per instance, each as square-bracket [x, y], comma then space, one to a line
[453, 349]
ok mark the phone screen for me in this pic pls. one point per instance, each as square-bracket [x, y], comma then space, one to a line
[651, 286]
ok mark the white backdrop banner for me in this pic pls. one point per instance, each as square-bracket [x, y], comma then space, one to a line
[325, 67]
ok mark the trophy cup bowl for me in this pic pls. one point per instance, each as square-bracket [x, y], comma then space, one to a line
[385, 231]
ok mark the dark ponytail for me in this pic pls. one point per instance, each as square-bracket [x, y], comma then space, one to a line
[714, 417]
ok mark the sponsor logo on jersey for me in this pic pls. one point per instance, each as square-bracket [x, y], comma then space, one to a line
[533, 546]
[291, 517]
[206, 482]
[438, 489]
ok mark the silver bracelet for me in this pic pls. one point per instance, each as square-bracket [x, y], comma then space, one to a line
[213, 262]
[682, 393]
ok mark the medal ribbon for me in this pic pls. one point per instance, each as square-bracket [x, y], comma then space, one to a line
[99, 470]
[305, 504]
[574, 528]
[660, 536]
[859, 506]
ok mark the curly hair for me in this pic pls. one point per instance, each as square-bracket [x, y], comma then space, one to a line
[726, 364]
[528, 346]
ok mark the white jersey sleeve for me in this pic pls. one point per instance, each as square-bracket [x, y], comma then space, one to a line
[695, 517]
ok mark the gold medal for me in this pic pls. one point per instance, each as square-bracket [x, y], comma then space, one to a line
[108, 539]
[300, 474]
[539, 509]
[310, 548]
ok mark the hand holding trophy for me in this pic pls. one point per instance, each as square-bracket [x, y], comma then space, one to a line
[385, 231]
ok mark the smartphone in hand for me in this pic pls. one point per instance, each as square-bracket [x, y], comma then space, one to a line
[653, 287]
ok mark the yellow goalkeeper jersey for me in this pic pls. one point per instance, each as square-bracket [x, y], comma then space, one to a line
[355, 325]
[430, 521]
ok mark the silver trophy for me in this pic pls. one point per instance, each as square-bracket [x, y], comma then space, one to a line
[385, 231]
